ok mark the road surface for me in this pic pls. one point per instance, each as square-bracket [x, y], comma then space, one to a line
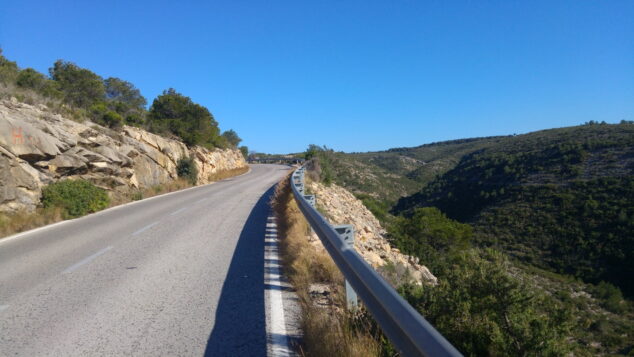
[176, 275]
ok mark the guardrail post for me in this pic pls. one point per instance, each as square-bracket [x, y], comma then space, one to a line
[346, 231]
[311, 200]
[298, 180]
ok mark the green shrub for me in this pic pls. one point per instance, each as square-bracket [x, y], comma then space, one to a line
[75, 197]
[187, 169]
[30, 78]
[112, 119]
[486, 311]
[245, 151]
[610, 296]
[8, 69]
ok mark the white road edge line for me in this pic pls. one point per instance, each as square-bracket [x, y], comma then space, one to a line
[178, 211]
[277, 339]
[73, 267]
[26, 233]
[145, 228]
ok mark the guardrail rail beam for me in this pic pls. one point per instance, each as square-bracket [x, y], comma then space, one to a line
[408, 331]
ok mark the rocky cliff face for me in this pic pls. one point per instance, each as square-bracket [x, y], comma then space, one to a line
[38, 147]
[341, 207]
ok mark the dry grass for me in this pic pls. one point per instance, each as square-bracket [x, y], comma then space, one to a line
[32, 97]
[228, 173]
[22, 221]
[119, 198]
[328, 329]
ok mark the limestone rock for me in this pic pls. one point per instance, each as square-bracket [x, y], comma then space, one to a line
[38, 147]
[342, 207]
[19, 185]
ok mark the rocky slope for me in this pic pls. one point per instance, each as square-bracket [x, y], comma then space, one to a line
[38, 147]
[341, 207]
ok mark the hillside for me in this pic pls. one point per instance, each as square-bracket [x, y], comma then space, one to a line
[560, 199]
[394, 173]
[559, 203]
[41, 147]
[74, 142]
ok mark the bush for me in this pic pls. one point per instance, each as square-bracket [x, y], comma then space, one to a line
[174, 113]
[485, 311]
[245, 151]
[75, 197]
[30, 78]
[187, 169]
[611, 297]
[112, 120]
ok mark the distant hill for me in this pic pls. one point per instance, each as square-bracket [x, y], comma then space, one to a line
[561, 199]
[394, 173]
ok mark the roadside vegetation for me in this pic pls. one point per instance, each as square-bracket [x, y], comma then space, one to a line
[75, 198]
[530, 236]
[80, 94]
[328, 329]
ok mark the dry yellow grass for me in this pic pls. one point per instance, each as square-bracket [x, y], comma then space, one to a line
[328, 330]
[23, 221]
[221, 175]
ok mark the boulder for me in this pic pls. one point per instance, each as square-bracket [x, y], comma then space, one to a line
[20, 185]
[67, 164]
[26, 141]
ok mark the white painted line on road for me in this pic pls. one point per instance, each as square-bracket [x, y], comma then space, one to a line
[73, 267]
[3, 307]
[277, 338]
[201, 200]
[145, 228]
[178, 211]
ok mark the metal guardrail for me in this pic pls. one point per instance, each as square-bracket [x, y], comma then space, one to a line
[404, 326]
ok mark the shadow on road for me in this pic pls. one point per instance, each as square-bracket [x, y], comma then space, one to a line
[240, 328]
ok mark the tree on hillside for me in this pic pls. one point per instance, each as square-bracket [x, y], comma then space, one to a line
[245, 151]
[232, 137]
[8, 69]
[126, 100]
[30, 78]
[80, 86]
[172, 112]
[430, 235]
[118, 90]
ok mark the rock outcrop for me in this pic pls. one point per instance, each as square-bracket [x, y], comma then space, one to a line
[341, 207]
[38, 147]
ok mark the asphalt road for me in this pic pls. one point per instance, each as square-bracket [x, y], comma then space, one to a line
[176, 275]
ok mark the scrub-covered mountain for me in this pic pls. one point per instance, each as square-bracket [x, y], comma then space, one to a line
[394, 173]
[560, 199]
[530, 236]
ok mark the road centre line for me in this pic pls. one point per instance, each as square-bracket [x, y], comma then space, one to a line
[73, 267]
[145, 228]
[178, 211]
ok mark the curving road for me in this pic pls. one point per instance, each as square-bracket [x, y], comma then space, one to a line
[175, 275]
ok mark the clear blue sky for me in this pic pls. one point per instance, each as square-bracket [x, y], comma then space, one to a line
[353, 75]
